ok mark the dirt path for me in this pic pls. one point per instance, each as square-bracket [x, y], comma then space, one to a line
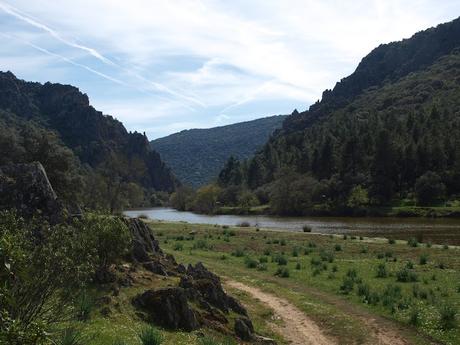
[297, 328]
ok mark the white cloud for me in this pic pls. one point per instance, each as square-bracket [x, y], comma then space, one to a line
[248, 52]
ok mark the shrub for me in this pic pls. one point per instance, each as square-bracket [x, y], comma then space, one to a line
[414, 316]
[338, 247]
[445, 247]
[70, 336]
[306, 228]
[326, 256]
[391, 241]
[178, 247]
[335, 268]
[238, 253]
[250, 263]
[347, 285]
[280, 260]
[364, 250]
[151, 336]
[202, 245]
[391, 295]
[352, 274]
[244, 225]
[381, 271]
[345, 237]
[84, 307]
[447, 317]
[223, 257]
[409, 265]
[263, 259]
[412, 242]
[283, 242]
[406, 276]
[262, 267]
[298, 266]
[423, 259]
[282, 272]
[266, 251]
[363, 289]
[311, 244]
[295, 252]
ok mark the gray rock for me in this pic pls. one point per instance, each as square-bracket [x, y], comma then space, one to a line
[26, 188]
[168, 308]
[144, 243]
[244, 328]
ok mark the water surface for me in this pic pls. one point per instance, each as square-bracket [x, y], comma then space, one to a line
[440, 230]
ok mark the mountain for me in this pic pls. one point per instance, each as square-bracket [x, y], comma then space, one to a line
[56, 125]
[197, 155]
[387, 133]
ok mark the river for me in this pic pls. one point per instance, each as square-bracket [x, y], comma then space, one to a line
[439, 230]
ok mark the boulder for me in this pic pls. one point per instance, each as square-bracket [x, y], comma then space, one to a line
[244, 328]
[144, 243]
[203, 285]
[26, 188]
[168, 308]
[156, 267]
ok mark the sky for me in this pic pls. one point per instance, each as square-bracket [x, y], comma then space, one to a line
[162, 66]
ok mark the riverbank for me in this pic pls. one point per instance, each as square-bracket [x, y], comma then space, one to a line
[396, 211]
[405, 288]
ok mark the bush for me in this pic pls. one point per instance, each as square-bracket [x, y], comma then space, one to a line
[306, 228]
[381, 271]
[391, 241]
[70, 336]
[429, 188]
[326, 256]
[178, 247]
[283, 242]
[347, 285]
[423, 259]
[151, 336]
[406, 276]
[201, 245]
[338, 247]
[84, 307]
[448, 317]
[412, 242]
[263, 259]
[244, 225]
[414, 316]
[280, 260]
[298, 266]
[250, 263]
[295, 252]
[311, 244]
[282, 272]
[238, 253]
[262, 267]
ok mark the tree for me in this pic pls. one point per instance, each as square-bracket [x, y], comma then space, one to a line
[429, 189]
[206, 199]
[182, 198]
[358, 198]
[231, 174]
[247, 200]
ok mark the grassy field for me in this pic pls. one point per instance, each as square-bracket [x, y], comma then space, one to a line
[339, 281]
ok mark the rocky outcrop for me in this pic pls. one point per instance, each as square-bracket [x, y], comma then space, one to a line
[26, 188]
[205, 287]
[145, 246]
[244, 328]
[168, 308]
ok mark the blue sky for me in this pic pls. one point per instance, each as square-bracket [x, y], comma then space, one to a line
[162, 66]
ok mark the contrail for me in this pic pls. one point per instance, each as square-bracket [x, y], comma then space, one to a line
[93, 52]
[22, 16]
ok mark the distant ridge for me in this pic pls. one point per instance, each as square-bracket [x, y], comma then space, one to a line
[197, 155]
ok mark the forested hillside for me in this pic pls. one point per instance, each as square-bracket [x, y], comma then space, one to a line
[388, 134]
[197, 155]
[90, 157]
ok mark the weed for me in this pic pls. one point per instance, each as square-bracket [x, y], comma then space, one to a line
[151, 336]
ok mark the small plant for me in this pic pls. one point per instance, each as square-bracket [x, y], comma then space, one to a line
[202, 245]
[283, 242]
[178, 247]
[262, 267]
[306, 228]
[250, 263]
[311, 244]
[151, 336]
[298, 266]
[414, 316]
[280, 260]
[282, 272]
[381, 271]
[448, 317]
[361, 238]
[223, 257]
[295, 252]
[445, 247]
[345, 237]
[70, 336]
[85, 307]
[423, 259]
[347, 285]
[263, 259]
[410, 265]
[238, 253]
[406, 276]
[364, 250]
[326, 256]
[412, 242]
[429, 244]
[267, 252]
[335, 268]
[363, 290]
[119, 342]
[244, 225]
[391, 241]
[338, 248]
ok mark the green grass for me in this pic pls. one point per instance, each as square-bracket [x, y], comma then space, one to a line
[416, 300]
